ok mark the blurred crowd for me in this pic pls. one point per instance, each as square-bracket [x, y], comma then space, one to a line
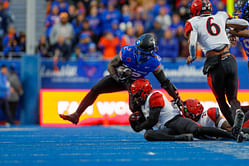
[97, 29]
[11, 42]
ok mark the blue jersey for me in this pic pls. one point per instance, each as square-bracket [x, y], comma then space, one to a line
[142, 67]
[245, 43]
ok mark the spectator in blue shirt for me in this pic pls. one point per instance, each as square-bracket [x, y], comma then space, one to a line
[11, 35]
[4, 93]
[92, 54]
[12, 48]
[138, 17]
[62, 4]
[84, 43]
[157, 29]
[52, 19]
[108, 16]
[94, 21]
[77, 26]
[126, 15]
[168, 46]
[116, 30]
[176, 22]
[160, 4]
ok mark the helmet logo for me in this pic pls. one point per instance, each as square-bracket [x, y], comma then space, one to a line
[154, 42]
[138, 42]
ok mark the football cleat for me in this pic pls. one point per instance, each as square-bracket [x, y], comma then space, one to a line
[243, 137]
[238, 122]
[72, 118]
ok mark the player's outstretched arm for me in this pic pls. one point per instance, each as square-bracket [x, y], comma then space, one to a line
[237, 24]
[242, 33]
[165, 83]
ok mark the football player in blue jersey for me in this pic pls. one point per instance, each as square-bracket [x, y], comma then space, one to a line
[133, 62]
[242, 9]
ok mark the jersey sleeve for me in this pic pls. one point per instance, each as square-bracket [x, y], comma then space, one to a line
[224, 14]
[213, 114]
[156, 63]
[156, 100]
[188, 28]
[122, 53]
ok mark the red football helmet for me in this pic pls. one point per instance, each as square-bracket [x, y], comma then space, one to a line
[192, 108]
[140, 89]
[200, 7]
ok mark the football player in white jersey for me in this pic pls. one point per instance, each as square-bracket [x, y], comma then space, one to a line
[193, 109]
[220, 66]
[211, 117]
[160, 114]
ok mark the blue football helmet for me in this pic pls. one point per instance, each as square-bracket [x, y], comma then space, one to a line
[245, 11]
[242, 9]
[146, 45]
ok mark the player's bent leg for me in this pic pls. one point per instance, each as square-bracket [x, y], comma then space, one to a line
[226, 110]
[105, 85]
[162, 135]
[216, 83]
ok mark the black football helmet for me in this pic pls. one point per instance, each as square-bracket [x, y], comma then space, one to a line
[146, 45]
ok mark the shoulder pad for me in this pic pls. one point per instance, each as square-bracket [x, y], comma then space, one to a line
[213, 113]
[188, 28]
[156, 100]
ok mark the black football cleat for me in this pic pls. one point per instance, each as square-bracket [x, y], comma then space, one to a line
[72, 118]
[243, 137]
[238, 122]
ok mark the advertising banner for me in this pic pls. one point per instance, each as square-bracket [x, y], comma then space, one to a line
[108, 109]
[84, 74]
[71, 74]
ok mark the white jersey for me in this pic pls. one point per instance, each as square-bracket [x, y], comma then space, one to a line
[167, 113]
[209, 117]
[211, 30]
